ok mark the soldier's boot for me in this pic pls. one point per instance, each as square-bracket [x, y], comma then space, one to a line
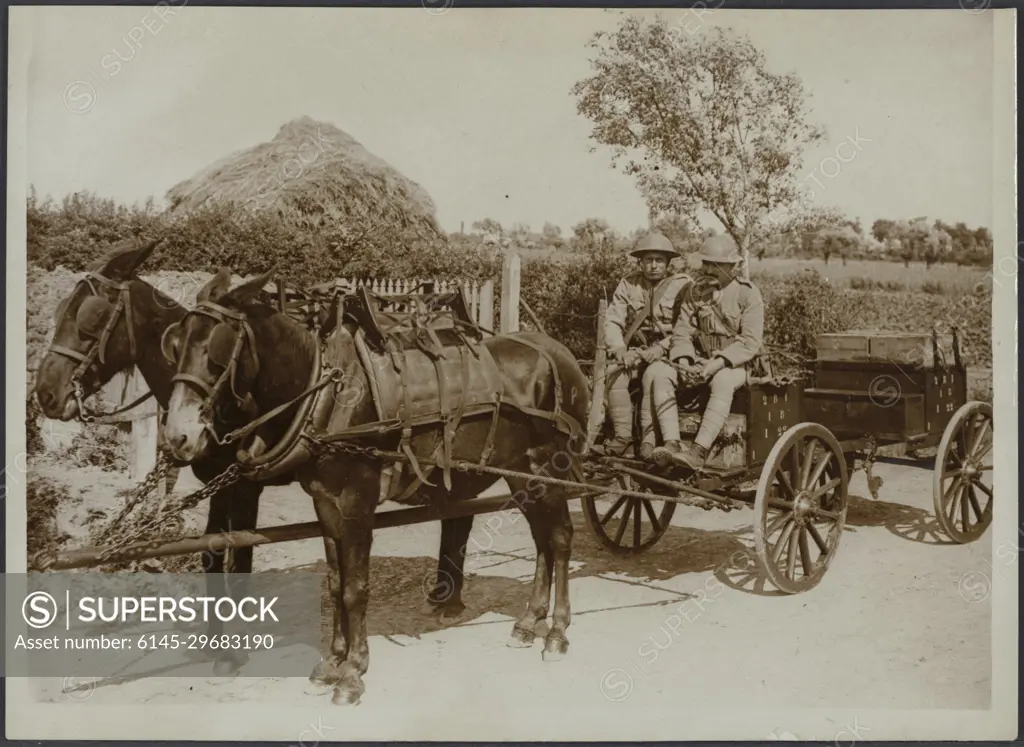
[620, 409]
[711, 425]
[675, 453]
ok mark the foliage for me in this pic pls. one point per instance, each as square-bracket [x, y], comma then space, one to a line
[43, 495]
[801, 306]
[99, 445]
[703, 124]
[565, 292]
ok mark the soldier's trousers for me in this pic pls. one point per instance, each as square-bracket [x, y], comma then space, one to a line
[660, 401]
[620, 406]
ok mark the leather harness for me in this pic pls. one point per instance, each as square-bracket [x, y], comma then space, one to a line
[97, 350]
[393, 342]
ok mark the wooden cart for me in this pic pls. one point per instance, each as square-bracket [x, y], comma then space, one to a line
[788, 448]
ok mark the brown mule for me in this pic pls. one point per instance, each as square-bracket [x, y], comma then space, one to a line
[274, 364]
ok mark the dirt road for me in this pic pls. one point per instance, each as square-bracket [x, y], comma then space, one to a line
[895, 623]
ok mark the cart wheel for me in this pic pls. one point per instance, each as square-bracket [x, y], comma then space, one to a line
[609, 516]
[963, 474]
[800, 507]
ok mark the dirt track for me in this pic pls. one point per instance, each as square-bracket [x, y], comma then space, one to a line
[894, 624]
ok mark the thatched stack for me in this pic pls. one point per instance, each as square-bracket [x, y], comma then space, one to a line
[316, 177]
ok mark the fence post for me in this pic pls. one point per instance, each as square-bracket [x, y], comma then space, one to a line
[595, 418]
[144, 429]
[509, 319]
[485, 311]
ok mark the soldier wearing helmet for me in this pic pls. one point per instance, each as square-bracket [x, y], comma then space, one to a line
[719, 330]
[641, 311]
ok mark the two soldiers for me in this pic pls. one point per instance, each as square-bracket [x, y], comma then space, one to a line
[718, 331]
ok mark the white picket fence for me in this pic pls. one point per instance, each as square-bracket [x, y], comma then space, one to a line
[479, 299]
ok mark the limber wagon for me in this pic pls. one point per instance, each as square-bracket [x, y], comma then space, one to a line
[787, 451]
[790, 444]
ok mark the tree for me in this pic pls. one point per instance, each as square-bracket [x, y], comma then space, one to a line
[703, 123]
[488, 225]
[679, 230]
[551, 232]
[881, 229]
[593, 234]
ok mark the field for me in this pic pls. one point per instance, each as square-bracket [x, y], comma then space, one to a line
[951, 278]
[943, 278]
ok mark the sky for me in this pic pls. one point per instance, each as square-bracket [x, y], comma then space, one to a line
[474, 104]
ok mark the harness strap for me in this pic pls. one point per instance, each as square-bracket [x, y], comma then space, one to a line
[445, 412]
[73, 354]
[655, 297]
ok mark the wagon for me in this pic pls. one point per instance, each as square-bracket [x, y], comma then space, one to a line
[788, 449]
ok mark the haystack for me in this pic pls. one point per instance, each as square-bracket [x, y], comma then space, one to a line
[314, 176]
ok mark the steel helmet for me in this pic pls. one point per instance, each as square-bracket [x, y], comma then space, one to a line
[720, 249]
[655, 242]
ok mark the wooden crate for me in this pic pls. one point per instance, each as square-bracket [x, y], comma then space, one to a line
[887, 413]
[911, 349]
[842, 346]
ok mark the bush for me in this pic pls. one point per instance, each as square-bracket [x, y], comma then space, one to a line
[99, 445]
[801, 306]
[565, 294]
[43, 495]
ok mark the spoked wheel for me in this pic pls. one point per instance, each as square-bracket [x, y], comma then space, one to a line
[626, 525]
[800, 507]
[963, 474]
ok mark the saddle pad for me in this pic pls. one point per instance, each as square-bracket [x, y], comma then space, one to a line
[420, 390]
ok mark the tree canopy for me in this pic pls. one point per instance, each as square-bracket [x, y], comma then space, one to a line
[702, 123]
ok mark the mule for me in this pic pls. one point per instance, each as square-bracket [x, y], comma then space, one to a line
[113, 320]
[233, 346]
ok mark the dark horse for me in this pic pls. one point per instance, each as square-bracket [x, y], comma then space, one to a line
[272, 361]
[112, 321]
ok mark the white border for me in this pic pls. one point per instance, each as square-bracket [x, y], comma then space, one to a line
[27, 719]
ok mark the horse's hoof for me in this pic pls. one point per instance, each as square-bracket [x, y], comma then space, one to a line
[348, 692]
[555, 648]
[521, 638]
[452, 617]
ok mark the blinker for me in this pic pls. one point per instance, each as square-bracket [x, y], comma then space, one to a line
[170, 342]
[221, 346]
[92, 315]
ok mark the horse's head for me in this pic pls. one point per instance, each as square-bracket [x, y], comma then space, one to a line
[94, 336]
[217, 364]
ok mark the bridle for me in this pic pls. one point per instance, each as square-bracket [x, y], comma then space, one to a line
[239, 324]
[98, 349]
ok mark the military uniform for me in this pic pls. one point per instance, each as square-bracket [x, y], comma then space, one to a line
[631, 297]
[726, 323]
[634, 296]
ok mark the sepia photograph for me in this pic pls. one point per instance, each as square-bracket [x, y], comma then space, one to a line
[506, 374]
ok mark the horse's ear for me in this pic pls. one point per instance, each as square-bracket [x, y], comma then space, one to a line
[216, 287]
[246, 291]
[121, 264]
